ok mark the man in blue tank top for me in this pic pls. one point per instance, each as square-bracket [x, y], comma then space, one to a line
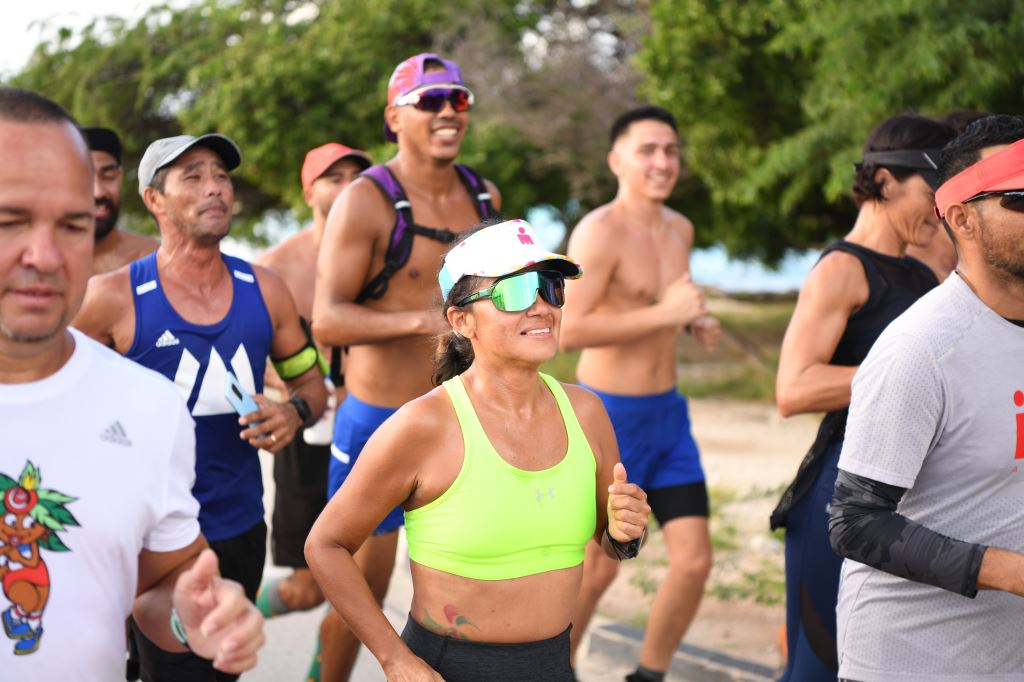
[197, 316]
[390, 331]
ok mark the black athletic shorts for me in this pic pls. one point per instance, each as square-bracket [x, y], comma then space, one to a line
[673, 502]
[465, 661]
[300, 481]
[241, 559]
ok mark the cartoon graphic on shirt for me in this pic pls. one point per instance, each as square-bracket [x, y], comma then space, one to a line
[32, 517]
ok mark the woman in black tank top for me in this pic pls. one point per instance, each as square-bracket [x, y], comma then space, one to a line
[859, 285]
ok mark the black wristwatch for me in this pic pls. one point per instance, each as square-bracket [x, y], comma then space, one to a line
[303, 410]
[627, 550]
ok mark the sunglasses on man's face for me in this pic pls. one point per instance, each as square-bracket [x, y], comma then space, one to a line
[517, 293]
[1012, 200]
[434, 99]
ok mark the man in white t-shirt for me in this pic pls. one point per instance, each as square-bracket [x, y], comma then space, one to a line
[928, 505]
[97, 463]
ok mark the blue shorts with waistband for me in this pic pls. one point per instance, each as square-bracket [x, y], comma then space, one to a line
[355, 423]
[655, 443]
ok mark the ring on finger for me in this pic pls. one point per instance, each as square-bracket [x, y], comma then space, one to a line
[273, 438]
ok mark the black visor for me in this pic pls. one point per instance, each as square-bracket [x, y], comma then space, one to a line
[924, 161]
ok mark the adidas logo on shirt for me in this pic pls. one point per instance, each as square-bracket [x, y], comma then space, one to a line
[115, 434]
[167, 339]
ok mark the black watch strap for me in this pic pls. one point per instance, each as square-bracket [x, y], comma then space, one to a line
[626, 550]
[303, 409]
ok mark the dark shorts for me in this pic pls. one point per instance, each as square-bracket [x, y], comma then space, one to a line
[241, 559]
[465, 661]
[300, 481]
[658, 451]
[355, 423]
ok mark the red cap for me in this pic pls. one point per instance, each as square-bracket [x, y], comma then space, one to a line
[319, 159]
[1000, 171]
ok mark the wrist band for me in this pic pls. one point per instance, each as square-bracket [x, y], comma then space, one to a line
[178, 629]
[628, 550]
[303, 409]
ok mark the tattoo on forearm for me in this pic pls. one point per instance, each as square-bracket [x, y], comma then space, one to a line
[457, 623]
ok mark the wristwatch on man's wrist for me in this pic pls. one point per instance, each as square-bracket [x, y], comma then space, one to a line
[303, 409]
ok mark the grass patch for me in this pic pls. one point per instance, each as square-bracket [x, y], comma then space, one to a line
[766, 585]
[562, 366]
[644, 581]
[745, 382]
[743, 365]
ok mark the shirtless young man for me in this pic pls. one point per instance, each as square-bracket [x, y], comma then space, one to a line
[300, 469]
[626, 315]
[115, 246]
[391, 335]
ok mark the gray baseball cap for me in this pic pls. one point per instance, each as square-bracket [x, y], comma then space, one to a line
[165, 150]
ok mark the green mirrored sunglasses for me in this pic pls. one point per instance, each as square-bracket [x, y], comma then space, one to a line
[518, 292]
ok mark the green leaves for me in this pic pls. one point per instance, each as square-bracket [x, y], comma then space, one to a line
[776, 98]
[53, 515]
[53, 543]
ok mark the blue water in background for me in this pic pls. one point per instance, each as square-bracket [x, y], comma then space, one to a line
[710, 266]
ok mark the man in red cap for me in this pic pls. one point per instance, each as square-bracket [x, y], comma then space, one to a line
[115, 246]
[375, 285]
[300, 469]
[927, 503]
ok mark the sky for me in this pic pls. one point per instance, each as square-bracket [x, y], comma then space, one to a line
[23, 26]
[26, 24]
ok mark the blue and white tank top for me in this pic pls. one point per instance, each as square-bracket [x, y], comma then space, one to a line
[196, 358]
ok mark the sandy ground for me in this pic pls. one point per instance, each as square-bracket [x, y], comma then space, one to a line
[747, 451]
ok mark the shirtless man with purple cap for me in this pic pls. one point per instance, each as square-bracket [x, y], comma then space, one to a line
[379, 257]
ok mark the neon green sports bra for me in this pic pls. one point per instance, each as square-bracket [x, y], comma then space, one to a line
[498, 522]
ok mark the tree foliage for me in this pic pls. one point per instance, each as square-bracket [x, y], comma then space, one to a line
[776, 97]
[283, 76]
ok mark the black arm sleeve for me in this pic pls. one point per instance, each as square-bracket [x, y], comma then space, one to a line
[863, 525]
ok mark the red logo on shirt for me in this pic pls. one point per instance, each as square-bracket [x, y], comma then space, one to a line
[1018, 400]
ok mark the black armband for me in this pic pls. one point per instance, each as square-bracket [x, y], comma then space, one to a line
[863, 525]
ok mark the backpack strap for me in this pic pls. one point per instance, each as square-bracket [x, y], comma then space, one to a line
[400, 243]
[477, 189]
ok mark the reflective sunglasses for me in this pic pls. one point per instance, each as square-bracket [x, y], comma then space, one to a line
[517, 293]
[1012, 200]
[434, 99]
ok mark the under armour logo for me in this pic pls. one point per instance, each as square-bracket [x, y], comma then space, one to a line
[540, 494]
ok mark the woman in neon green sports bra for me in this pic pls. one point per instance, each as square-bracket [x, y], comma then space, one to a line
[504, 475]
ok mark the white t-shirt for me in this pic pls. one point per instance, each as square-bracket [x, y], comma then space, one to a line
[118, 440]
[935, 410]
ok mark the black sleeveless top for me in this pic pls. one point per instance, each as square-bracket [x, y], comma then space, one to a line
[894, 284]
